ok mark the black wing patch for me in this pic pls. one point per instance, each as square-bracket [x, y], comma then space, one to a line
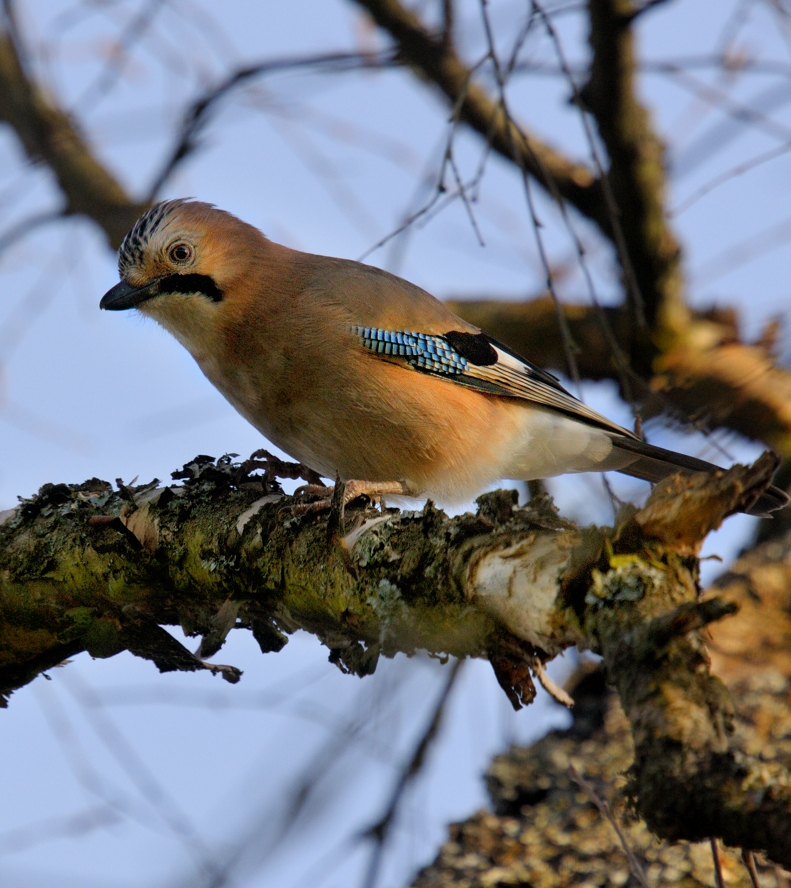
[474, 347]
[480, 362]
[535, 370]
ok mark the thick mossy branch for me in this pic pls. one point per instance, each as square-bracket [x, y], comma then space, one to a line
[540, 824]
[89, 568]
[689, 779]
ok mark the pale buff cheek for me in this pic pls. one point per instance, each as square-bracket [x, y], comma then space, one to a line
[192, 319]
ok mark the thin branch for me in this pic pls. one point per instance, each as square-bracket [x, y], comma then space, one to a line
[22, 229]
[436, 61]
[380, 830]
[569, 345]
[637, 176]
[131, 34]
[748, 859]
[619, 354]
[604, 809]
[48, 134]
[738, 170]
[138, 772]
[713, 61]
[715, 857]
[52, 829]
[462, 192]
[199, 114]
[741, 113]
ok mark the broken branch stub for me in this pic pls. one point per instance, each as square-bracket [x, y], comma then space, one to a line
[78, 571]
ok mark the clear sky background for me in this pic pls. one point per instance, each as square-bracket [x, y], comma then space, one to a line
[115, 776]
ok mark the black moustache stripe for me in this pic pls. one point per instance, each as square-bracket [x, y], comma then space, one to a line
[191, 283]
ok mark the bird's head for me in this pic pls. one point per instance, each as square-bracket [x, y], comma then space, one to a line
[178, 264]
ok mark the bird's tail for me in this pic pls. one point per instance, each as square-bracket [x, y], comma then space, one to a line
[655, 463]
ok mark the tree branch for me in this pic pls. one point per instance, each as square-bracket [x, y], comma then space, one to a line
[50, 135]
[433, 58]
[540, 824]
[628, 206]
[89, 568]
[199, 112]
[636, 179]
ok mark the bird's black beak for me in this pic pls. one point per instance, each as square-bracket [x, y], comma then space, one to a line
[123, 296]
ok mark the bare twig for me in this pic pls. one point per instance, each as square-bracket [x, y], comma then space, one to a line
[437, 61]
[22, 229]
[650, 253]
[144, 780]
[198, 115]
[570, 347]
[48, 134]
[132, 33]
[604, 809]
[748, 859]
[380, 830]
[738, 170]
[555, 691]
[715, 857]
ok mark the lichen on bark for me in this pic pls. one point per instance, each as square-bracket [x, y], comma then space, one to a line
[87, 567]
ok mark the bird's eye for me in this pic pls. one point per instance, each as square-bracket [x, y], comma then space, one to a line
[180, 253]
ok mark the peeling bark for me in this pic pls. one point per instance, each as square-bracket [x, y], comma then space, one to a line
[89, 568]
[542, 831]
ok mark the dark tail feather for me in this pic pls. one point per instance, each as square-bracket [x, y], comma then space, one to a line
[655, 463]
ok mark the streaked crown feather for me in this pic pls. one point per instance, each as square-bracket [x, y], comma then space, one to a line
[133, 245]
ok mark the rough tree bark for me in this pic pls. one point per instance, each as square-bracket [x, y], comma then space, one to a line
[560, 812]
[90, 568]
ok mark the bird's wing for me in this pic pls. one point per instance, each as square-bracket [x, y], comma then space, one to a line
[480, 362]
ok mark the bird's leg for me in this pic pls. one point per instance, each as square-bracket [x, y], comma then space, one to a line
[352, 490]
[313, 490]
[375, 489]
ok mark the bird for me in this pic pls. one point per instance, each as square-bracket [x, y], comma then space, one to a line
[361, 375]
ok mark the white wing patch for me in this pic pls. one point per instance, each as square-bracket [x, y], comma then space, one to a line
[514, 378]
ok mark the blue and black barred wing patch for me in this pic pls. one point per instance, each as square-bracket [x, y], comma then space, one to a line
[431, 354]
[479, 362]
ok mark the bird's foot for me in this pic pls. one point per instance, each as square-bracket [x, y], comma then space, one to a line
[351, 491]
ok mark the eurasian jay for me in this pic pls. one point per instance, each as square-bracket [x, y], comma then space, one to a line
[360, 374]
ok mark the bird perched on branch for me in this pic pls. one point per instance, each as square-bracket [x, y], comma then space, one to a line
[360, 374]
